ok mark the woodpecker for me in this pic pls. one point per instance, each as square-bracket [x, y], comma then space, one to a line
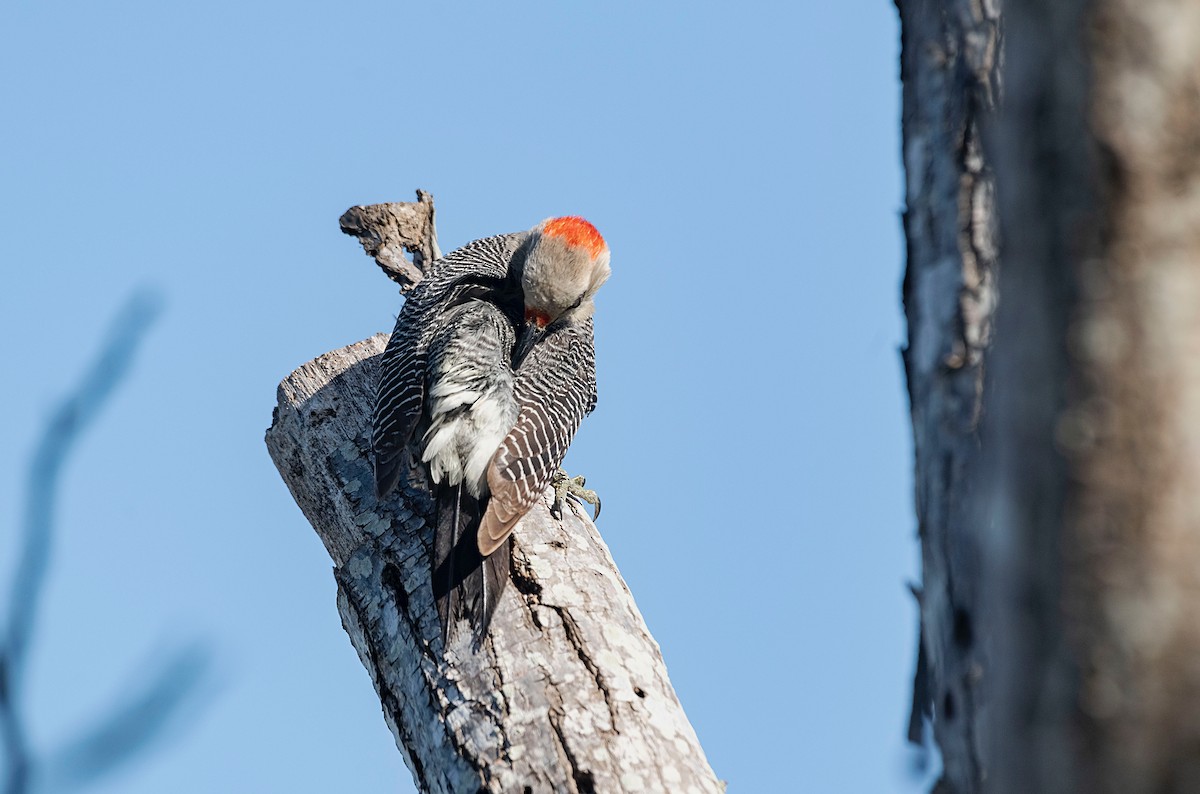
[486, 378]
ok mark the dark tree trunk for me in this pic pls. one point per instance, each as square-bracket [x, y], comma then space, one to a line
[1093, 438]
[1059, 506]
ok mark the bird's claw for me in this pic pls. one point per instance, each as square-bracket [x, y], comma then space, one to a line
[573, 488]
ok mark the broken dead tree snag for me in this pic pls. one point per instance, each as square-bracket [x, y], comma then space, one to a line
[568, 693]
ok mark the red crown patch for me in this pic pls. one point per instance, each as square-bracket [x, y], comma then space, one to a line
[575, 231]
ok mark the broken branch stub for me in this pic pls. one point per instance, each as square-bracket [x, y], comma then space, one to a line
[387, 231]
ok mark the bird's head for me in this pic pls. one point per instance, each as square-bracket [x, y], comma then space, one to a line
[566, 262]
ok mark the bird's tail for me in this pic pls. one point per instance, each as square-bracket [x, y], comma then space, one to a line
[466, 585]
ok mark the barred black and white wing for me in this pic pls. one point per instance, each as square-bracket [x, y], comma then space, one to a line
[400, 400]
[555, 388]
[398, 403]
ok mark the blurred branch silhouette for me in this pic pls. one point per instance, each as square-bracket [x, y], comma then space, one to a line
[140, 716]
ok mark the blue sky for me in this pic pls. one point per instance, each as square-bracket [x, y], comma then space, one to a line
[751, 440]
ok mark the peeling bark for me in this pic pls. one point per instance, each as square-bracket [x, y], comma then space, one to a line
[950, 72]
[569, 691]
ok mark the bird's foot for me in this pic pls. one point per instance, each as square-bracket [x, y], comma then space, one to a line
[572, 488]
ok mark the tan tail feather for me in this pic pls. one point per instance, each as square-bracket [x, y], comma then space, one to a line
[493, 531]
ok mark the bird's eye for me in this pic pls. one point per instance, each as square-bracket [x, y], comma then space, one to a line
[575, 305]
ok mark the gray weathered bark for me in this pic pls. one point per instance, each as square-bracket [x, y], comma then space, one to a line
[950, 68]
[568, 693]
[1093, 437]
